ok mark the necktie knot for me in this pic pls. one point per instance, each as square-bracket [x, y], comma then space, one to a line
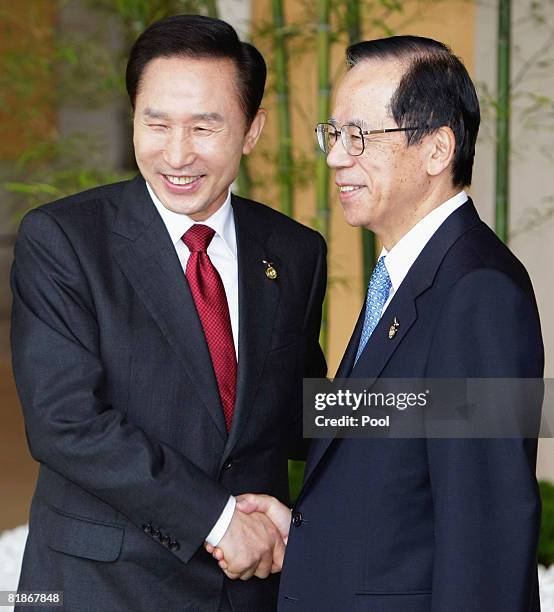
[198, 238]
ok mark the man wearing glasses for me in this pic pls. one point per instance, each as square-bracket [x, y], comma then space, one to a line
[419, 525]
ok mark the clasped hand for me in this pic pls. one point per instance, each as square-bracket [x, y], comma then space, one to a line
[254, 543]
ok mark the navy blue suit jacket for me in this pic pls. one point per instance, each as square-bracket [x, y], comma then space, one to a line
[121, 404]
[429, 525]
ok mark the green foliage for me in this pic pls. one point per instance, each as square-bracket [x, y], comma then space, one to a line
[323, 212]
[136, 15]
[244, 180]
[503, 86]
[23, 72]
[55, 169]
[296, 476]
[284, 154]
[546, 542]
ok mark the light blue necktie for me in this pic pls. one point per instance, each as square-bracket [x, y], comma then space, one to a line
[377, 294]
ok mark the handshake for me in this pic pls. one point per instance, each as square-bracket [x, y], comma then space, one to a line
[254, 543]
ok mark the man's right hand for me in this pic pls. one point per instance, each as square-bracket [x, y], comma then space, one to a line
[251, 546]
[279, 514]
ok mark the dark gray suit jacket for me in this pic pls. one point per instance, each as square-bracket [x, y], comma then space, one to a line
[121, 404]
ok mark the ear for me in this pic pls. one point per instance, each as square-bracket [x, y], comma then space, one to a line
[443, 144]
[254, 131]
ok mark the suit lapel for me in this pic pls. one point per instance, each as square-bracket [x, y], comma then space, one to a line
[258, 300]
[347, 361]
[320, 445]
[150, 263]
[380, 347]
[377, 352]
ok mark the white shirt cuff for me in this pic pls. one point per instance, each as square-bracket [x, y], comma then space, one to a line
[223, 522]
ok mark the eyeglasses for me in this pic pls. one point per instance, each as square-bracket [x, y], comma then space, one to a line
[352, 136]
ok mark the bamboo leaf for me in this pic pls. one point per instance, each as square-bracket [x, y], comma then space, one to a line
[31, 188]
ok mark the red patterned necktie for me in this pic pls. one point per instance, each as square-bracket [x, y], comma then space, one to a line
[211, 304]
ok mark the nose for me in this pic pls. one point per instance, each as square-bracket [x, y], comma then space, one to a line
[179, 149]
[338, 157]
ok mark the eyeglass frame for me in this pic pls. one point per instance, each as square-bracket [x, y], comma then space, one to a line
[362, 134]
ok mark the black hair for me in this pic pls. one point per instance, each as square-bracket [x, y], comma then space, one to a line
[434, 91]
[199, 37]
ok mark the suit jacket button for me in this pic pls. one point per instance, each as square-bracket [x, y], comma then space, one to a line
[174, 546]
[156, 533]
[228, 464]
[147, 528]
[165, 540]
[297, 519]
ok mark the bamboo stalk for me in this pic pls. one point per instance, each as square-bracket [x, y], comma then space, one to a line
[244, 180]
[211, 6]
[353, 21]
[284, 156]
[503, 121]
[323, 107]
[354, 29]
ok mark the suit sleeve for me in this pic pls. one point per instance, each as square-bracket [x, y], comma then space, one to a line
[485, 494]
[312, 357]
[59, 373]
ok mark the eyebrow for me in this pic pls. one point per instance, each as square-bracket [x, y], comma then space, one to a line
[211, 117]
[152, 113]
[357, 122]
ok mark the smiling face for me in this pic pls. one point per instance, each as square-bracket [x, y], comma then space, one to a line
[189, 132]
[386, 189]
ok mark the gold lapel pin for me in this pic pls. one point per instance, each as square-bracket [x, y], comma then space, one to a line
[393, 329]
[270, 271]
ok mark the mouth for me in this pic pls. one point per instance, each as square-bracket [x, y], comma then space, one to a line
[182, 183]
[348, 191]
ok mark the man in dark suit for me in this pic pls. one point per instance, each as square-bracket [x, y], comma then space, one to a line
[132, 303]
[419, 525]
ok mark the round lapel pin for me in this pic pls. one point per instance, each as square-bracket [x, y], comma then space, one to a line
[270, 271]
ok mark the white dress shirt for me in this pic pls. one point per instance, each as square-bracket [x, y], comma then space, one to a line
[222, 251]
[402, 256]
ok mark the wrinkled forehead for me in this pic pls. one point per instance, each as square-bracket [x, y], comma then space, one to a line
[364, 92]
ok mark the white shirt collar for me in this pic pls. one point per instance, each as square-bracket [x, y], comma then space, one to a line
[222, 222]
[401, 257]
